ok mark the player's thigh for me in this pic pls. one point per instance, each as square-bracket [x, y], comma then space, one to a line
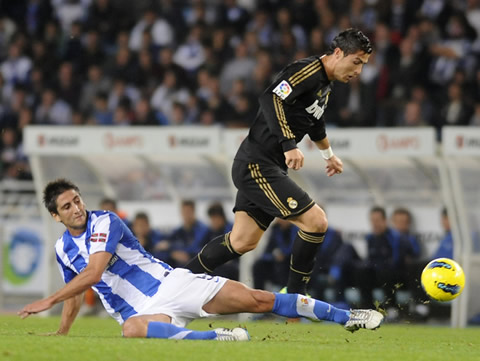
[235, 297]
[313, 220]
[268, 190]
[137, 326]
[245, 233]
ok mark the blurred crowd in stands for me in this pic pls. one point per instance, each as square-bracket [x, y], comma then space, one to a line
[166, 62]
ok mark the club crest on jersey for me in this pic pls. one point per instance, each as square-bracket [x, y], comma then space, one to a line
[292, 203]
[315, 109]
[283, 89]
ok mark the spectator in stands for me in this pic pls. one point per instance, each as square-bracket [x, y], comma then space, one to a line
[110, 204]
[12, 162]
[455, 111]
[146, 235]
[146, 78]
[240, 67]
[186, 240]
[16, 67]
[96, 82]
[42, 60]
[123, 66]
[167, 93]
[419, 95]
[191, 55]
[233, 16]
[143, 113]
[122, 90]
[101, 115]
[475, 118]
[93, 53]
[411, 115]
[121, 114]
[52, 110]
[406, 71]
[161, 30]
[7, 30]
[104, 16]
[402, 222]
[445, 248]
[385, 264]
[68, 87]
[274, 264]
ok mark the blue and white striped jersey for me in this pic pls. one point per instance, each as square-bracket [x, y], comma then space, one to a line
[132, 276]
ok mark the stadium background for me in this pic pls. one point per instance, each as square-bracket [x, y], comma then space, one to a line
[180, 64]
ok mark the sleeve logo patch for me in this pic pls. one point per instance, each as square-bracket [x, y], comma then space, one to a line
[283, 89]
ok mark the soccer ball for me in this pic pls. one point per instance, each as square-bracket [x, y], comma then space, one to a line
[443, 279]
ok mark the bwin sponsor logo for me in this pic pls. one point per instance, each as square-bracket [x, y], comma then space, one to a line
[315, 109]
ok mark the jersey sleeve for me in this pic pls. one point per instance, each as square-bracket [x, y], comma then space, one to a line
[106, 234]
[318, 131]
[292, 82]
[66, 273]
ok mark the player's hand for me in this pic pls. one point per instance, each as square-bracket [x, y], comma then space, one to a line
[56, 333]
[35, 307]
[294, 159]
[334, 166]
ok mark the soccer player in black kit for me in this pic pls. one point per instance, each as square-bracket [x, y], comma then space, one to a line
[291, 107]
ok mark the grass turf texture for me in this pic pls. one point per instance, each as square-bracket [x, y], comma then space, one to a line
[99, 339]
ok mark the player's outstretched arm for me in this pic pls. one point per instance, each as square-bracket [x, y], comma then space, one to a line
[70, 310]
[84, 280]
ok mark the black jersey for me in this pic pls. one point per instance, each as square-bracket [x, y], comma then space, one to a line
[292, 106]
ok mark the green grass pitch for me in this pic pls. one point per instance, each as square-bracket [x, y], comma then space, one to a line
[95, 339]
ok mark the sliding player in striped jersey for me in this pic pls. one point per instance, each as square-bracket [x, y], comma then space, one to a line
[290, 108]
[145, 295]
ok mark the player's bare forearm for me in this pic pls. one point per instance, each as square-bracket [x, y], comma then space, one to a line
[73, 288]
[323, 144]
[70, 310]
[84, 280]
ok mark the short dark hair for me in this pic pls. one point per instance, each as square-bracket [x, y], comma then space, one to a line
[188, 203]
[350, 41]
[53, 190]
[378, 209]
[444, 212]
[142, 215]
[109, 201]
[405, 211]
[216, 209]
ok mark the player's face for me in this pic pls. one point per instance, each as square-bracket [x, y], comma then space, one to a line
[349, 66]
[71, 212]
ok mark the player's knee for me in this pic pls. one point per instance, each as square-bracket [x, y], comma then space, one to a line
[133, 328]
[317, 224]
[243, 243]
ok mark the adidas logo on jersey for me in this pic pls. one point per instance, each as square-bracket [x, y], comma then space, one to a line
[315, 109]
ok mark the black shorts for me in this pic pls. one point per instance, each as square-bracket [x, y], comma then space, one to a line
[266, 192]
